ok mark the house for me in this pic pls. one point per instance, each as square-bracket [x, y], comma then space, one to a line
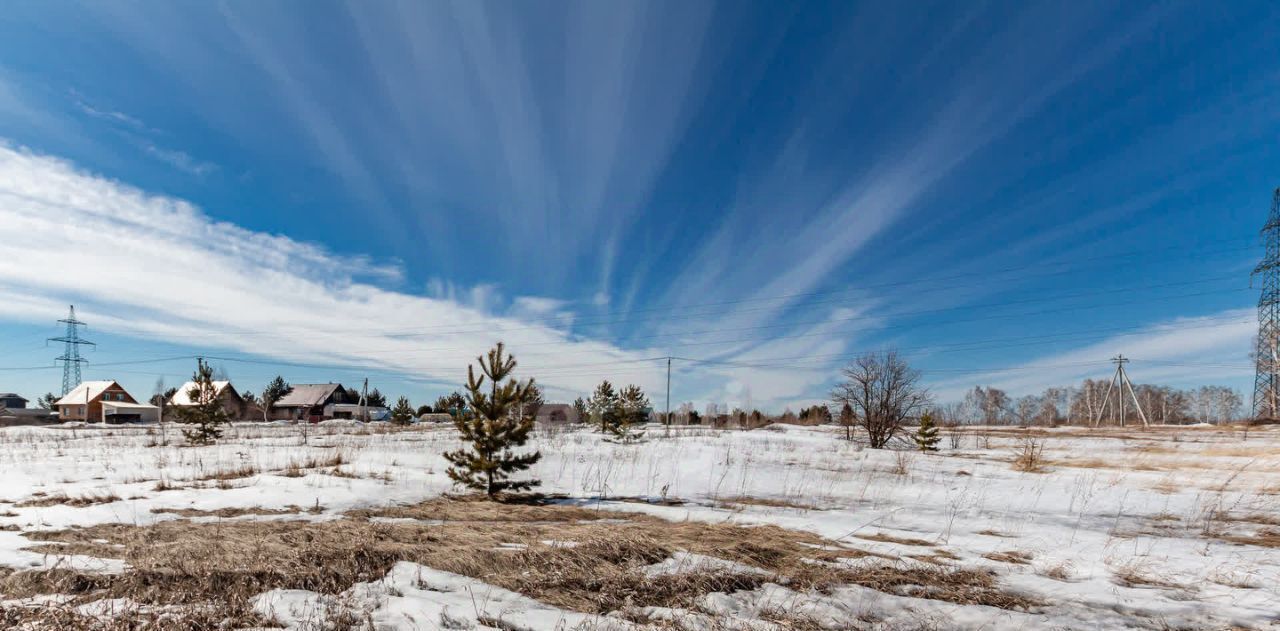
[14, 411]
[360, 412]
[232, 403]
[106, 402]
[12, 401]
[309, 401]
[557, 414]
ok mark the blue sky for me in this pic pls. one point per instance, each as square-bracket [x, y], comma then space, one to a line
[1010, 193]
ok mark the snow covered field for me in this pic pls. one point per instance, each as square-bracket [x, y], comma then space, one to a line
[1165, 528]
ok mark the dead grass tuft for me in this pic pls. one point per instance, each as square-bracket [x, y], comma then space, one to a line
[1029, 456]
[235, 473]
[229, 512]
[1266, 538]
[1010, 556]
[1135, 575]
[63, 499]
[888, 538]
[745, 500]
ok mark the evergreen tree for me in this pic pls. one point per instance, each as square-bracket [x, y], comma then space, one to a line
[402, 413]
[272, 393]
[46, 402]
[580, 407]
[376, 399]
[847, 420]
[424, 409]
[927, 435]
[488, 425]
[604, 407]
[635, 405]
[205, 414]
[633, 410]
[452, 404]
[531, 405]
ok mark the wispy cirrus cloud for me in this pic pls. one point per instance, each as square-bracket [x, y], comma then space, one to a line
[158, 268]
[141, 135]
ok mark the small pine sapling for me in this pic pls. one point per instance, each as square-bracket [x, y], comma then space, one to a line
[205, 415]
[402, 413]
[493, 430]
[633, 411]
[927, 434]
[605, 408]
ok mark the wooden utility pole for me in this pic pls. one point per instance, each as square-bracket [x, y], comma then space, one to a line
[1120, 381]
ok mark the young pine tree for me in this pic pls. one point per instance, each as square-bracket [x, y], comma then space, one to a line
[633, 411]
[927, 436]
[492, 430]
[605, 408]
[272, 393]
[580, 407]
[205, 415]
[848, 420]
[402, 413]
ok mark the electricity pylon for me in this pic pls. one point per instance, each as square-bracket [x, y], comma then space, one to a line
[1119, 382]
[70, 357]
[1266, 382]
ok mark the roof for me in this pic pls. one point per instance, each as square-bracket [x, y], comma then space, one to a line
[121, 405]
[25, 412]
[307, 395]
[88, 390]
[183, 396]
[11, 395]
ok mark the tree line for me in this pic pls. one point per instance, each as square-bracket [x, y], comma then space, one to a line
[1083, 404]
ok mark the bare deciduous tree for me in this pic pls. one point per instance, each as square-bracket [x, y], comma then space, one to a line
[883, 392]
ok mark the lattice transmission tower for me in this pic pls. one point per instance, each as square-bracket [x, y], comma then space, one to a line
[1266, 384]
[70, 357]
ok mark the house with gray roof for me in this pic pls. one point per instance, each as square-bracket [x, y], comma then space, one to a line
[312, 402]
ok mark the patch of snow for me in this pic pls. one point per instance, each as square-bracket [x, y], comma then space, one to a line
[681, 562]
[413, 596]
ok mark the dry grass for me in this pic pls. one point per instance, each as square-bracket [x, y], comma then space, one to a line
[1136, 575]
[1029, 455]
[63, 499]
[234, 473]
[888, 538]
[229, 512]
[298, 468]
[1016, 557]
[745, 500]
[1266, 538]
[225, 564]
[1059, 572]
